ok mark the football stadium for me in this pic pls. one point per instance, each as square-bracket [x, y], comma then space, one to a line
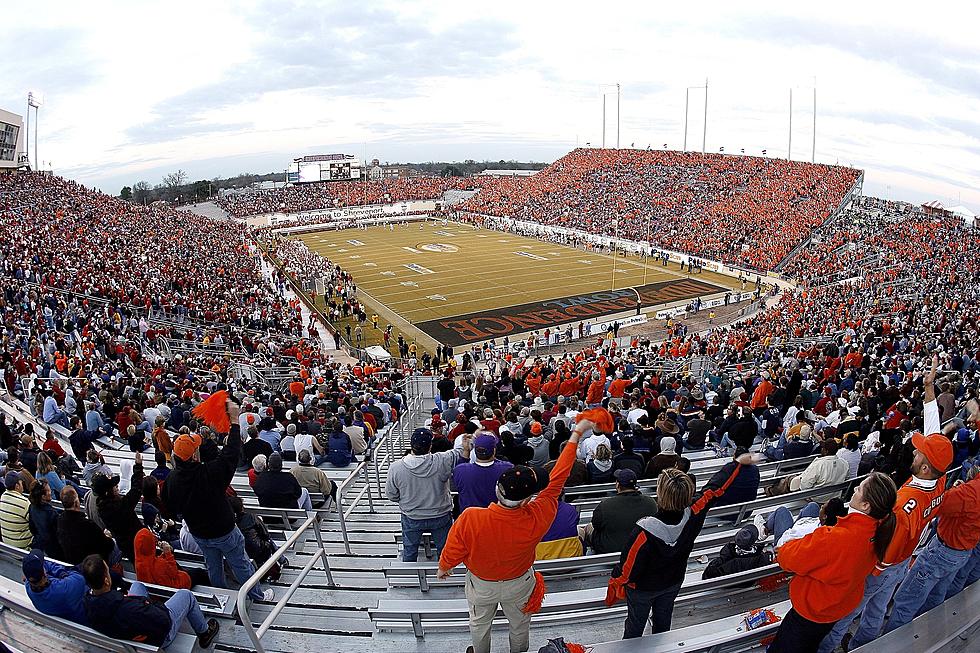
[632, 399]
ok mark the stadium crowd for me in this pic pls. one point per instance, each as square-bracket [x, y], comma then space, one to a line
[843, 368]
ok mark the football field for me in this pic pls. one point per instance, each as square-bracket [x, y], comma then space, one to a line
[460, 285]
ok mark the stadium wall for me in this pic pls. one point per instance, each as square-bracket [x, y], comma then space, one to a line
[329, 216]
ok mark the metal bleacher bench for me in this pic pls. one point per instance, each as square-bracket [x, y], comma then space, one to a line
[14, 597]
[453, 614]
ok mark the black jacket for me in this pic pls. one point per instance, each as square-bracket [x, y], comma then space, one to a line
[656, 551]
[732, 561]
[44, 528]
[80, 537]
[119, 513]
[614, 519]
[253, 448]
[130, 618]
[277, 489]
[197, 490]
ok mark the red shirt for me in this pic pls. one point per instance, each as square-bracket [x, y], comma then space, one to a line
[959, 516]
[53, 447]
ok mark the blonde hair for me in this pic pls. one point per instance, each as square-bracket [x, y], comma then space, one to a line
[674, 490]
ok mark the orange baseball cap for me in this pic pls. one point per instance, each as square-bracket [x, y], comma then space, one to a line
[937, 449]
[185, 446]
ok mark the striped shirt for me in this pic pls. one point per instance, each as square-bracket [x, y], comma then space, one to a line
[14, 525]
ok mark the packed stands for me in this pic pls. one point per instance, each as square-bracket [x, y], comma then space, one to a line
[882, 288]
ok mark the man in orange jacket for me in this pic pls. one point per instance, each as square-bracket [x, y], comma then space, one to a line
[497, 544]
[915, 507]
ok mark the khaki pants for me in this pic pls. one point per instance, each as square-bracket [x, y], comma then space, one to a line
[484, 596]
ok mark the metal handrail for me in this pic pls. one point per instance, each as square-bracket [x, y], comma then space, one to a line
[359, 471]
[255, 634]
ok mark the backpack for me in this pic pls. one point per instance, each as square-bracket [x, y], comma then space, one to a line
[339, 452]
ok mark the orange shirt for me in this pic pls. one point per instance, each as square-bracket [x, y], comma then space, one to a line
[914, 507]
[297, 388]
[474, 538]
[828, 585]
[618, 388]
[959, 516]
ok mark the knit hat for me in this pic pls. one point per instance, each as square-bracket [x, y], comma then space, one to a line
[185, 445]
[535, 428]
[520, 482]
[746, 537]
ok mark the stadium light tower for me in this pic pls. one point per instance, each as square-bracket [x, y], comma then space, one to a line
[607, 89]
[687, 103]
[34, 99]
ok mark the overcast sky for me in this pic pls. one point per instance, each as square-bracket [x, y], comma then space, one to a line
[135, 90]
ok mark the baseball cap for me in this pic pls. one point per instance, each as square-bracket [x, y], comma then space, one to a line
[746, 537]
[520, 482]
[436, 411]
[963, 435]
[11, 479]
[185, 445]
[101, 484]
[421, 439]
[625, 477]
[33, 565]
[485, 444]
[937, 449]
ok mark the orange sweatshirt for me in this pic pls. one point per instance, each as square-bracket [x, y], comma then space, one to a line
[498, 543]
[914, 507]
[827, 584]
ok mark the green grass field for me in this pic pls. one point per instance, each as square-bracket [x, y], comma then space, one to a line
[423, 276]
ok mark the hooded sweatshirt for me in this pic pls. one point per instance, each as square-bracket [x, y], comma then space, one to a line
[542, 450]
[420, 484]
[157, 569]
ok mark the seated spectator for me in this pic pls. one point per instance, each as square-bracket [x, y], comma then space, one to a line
[51, 446]
[666, 459]
[44, 521]
[697, 432]
[151, 509]
[136, 439]
[578, 476]
[81, 440]
[14, 510]
[80, 537]
[614, 518]
[827, 469]
[278, 489]
[561, 540]
[357, 433]
[744, 488]
[313, 479]
[14, 464]
[476, 483]
[162, 470]
[54, 589]
[601, 466]
[118, 511]
[628, 458]
[340, 448]
[259, 465]
[259, 545]
[850, 453]
[134, 617]
[540, 443]
[94, 464]
[29, 453]
[160, 567]
[796, 443]
[781, 525]
[254, 446]
[743, 554]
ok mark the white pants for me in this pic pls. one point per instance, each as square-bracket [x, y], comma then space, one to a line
[484, 596]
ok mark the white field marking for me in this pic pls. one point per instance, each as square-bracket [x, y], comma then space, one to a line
[412, 250]
[371, 265]
[531, 256]
[341, 251]
[585, 260]
[436, 298]
[386, 273]
[411, 284]
[415, 267]
[355, 256]
[356, 243]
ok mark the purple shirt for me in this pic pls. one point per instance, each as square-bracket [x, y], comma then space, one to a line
[477, 484]
[565, 524]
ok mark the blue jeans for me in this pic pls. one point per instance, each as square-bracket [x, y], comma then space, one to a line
[640, 604]
[967, 575]
[782, 520]
[412, 534]
[230, 547]
[182, 605]
[926, 584]
[878, 592]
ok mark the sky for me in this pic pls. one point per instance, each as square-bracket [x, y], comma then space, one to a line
[132, 90]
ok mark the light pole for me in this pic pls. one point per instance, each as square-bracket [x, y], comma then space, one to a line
[615, 249]
[605, 89]
[33, 100]
[618, 96]
[789, 153]
[687, 102]
[704, 134]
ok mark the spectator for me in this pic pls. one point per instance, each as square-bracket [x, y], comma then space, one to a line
[827, 469]
[476, 482]
[134, 617]
[79, 537]
[419, 484]
[666, 459]
[629, 459]
[540, 443]
[561, 540]
[278, 489]
[255, 446]
[826, 586]
[54, 589]
[94, 464]
[196, 490]
[654, 561]
[161, 568]
[312, 479]
[614, 518]
[742, 554]
[850, 454]
[118, 512]
[14, 509]
[44, 521]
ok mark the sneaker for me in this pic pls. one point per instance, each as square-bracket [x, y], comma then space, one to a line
[205, 639]
[269, 595]
[759, 521]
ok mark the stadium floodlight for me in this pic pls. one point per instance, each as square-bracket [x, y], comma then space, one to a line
[34, 99]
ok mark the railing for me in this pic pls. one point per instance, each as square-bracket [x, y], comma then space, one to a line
[361, 472]
[255, 634]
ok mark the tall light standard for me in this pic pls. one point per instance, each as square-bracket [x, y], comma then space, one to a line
[687, 103]
[34, 99]
[615, 248]
[607, 89]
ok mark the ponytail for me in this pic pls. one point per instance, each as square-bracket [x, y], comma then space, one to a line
[883, 535]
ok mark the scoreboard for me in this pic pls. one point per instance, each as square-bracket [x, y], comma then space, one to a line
[324, 167]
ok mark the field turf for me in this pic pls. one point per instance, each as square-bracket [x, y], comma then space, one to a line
[426, 276]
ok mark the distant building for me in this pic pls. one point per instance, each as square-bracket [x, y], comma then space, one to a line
[508, 173]
[13, 152]
[379, 172]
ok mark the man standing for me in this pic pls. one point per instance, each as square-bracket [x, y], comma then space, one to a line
[419, 484]
[447, 390]
[503, 575]
[196, 490]
[614, 518]
[477, 482]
